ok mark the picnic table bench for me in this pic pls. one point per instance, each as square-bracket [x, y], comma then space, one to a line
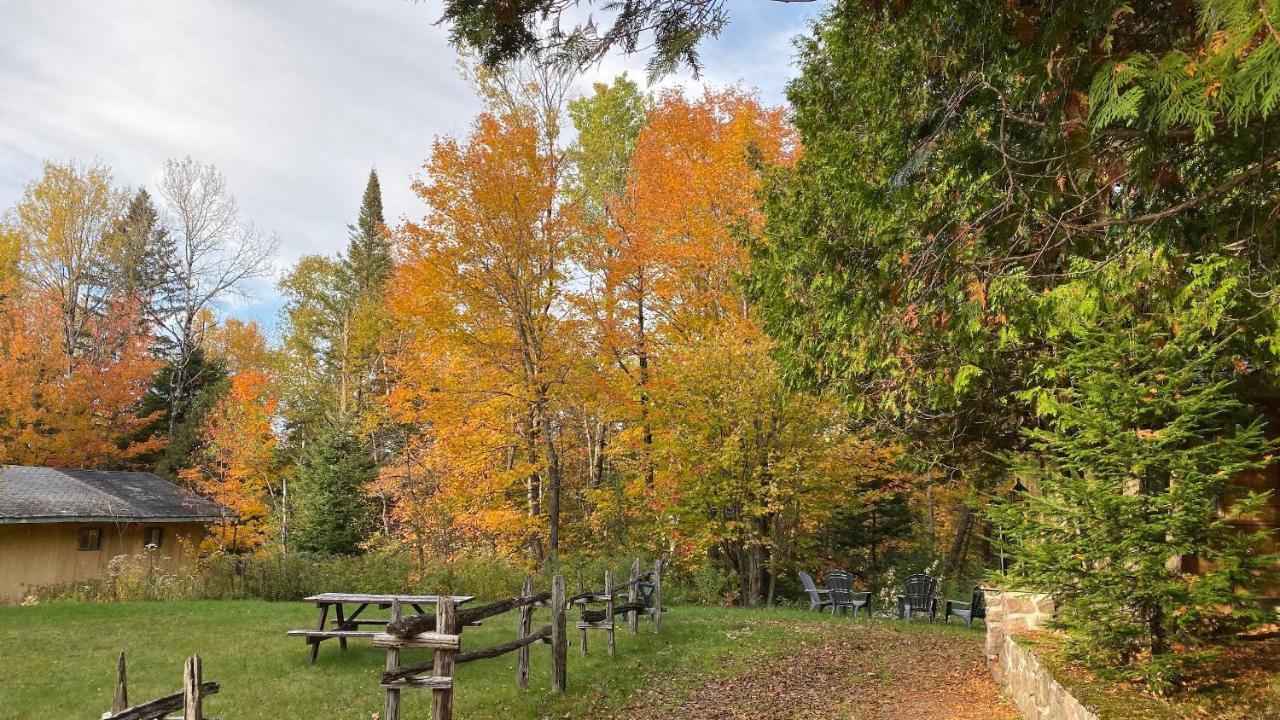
[348, 626]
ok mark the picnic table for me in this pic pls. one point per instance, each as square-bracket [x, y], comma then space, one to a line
[348, 626]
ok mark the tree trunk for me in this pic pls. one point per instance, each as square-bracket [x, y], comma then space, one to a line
[959, 543]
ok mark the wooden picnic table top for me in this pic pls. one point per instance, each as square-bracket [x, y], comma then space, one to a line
[331, 598]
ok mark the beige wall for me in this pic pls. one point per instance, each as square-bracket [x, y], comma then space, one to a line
[41, 555]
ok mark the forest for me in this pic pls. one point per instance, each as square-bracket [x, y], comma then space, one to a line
[558, 358]
[992, 297]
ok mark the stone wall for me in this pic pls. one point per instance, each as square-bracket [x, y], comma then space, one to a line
[1033, 688]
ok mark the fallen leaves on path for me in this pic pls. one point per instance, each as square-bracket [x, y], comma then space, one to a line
[863, 671]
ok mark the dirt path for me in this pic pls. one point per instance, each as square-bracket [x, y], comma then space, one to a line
[863, 671]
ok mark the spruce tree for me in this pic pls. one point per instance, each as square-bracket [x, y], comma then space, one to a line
[368, 252]
[331, 514]
[1142, 431]
[141, 249]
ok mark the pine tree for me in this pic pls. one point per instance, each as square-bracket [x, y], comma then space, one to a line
[331, 514]
[368, 252]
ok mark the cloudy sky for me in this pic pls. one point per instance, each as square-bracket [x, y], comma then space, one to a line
[293, 101]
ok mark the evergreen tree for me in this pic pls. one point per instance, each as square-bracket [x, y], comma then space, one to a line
[330, 511]
[1142, 431]
[141, 248]
[368, 252]
[208, 383]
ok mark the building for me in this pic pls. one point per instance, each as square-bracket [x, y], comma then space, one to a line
[60, 526]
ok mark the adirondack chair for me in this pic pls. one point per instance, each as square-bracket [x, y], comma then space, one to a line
[818, 597]
[975, 609]
[840, 584]
[920, 597]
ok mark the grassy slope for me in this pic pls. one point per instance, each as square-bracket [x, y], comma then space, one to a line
[58, 660]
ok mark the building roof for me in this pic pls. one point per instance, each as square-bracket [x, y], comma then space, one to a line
[50, 495]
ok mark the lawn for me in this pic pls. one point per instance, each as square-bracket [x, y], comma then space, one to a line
[59, 660]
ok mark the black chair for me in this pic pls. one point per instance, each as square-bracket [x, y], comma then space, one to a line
[975, 609]
[840, 584]
[921, 596]
[818, 597]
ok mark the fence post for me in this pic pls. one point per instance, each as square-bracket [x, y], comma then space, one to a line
[633, 594]
[442, 698]
[657, 595]
[582, 632]
[192, 673]
[523, 626]
[559, 642]
[121, 700]
[608, 612]
[391, 704]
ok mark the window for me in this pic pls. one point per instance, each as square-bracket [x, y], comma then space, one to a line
[90, 538]
[154, 537]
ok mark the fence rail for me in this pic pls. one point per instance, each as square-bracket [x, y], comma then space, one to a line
[190, 699]
[442, 632]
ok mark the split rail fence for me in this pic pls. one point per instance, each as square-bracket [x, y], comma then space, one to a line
[442, 633]
[189, 700]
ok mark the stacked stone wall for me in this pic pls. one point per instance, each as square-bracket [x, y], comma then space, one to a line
[1038, 695]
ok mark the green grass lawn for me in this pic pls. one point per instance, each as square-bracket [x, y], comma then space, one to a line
[58, 660]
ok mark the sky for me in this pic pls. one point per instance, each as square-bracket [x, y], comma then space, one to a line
[294, 102]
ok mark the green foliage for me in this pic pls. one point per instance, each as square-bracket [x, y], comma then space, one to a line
[607, 124]
[141, 249]
[1143, 430]
[207, 382]
[504, 31]
[368, 259]
[331, 513]
[987, 189]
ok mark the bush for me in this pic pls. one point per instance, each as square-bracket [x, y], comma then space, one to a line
[293, 576]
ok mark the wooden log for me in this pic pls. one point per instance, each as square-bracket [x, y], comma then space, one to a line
[612, 630]
[192, 700]
[442, 698]
[559, 641]
[633, 595]
[469, 656]
[422, 641]
[644, 577]
[523, 624]
[417, 624]
[333, 633]
[121, 699]
[657, 595]
[391, 703]
[161, 707]
[420, 683]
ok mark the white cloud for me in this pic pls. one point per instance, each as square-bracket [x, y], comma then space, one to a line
[294, 102]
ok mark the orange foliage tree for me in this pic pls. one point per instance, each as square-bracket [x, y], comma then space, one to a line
[236, 465]
[486, 340]
[594, 377]
[75, 410]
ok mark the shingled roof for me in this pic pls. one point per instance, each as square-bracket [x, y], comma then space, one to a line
[48, 495]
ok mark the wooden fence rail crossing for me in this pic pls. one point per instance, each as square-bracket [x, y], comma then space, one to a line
[443, 633]
[644, 595]
[189, 700]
